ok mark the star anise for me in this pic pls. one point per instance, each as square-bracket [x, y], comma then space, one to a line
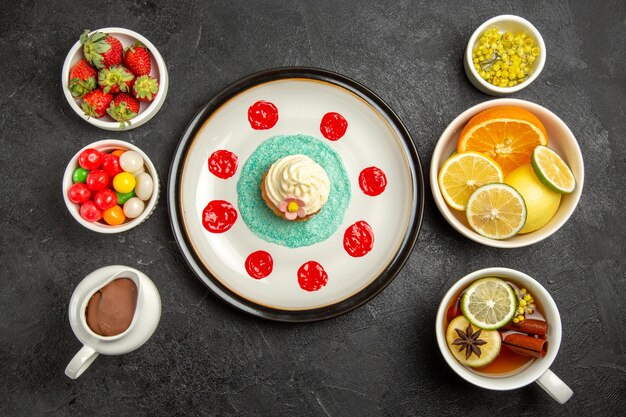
[469, 341]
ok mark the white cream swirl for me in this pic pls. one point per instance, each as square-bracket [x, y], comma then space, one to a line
[298, 176]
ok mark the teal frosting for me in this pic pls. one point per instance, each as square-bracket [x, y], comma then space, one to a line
[262, 220]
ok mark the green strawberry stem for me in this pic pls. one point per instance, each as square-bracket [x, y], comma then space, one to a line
[94, 46]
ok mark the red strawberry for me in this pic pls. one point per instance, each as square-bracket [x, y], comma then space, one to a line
[96, 103]
[145, 88]
[123, 108]
[101, 49]
[137, 59]
[116, 79]
[82, 78]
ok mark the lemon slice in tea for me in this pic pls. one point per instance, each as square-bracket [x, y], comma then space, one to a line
[552, 171]
[489, 303]
[496, 211]
[470, 345]
[463, 173]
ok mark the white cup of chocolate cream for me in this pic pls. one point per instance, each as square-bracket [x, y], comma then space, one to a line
[114, 310]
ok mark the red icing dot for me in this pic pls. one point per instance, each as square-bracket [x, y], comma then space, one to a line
[218, 216]
[223, 164]
[259, 264]
[262, 115]
[333, 126]
[311, 276]
[358, 240]
[372, 181]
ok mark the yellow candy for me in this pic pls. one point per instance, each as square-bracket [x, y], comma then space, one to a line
[124, 182]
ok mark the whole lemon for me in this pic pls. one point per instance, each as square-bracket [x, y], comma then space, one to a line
[541, 202]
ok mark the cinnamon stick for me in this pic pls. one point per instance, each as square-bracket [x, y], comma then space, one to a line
[530, 326]
[526, 345]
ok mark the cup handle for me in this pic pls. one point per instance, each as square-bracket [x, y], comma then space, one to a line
[81, 361]
[555, 387]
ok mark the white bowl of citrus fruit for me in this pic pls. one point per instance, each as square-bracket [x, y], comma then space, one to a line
[507, 173]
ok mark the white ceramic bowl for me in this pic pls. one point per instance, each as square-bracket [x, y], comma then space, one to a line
[146, 110]
[504, 23]
[110, 145]
[560, 139]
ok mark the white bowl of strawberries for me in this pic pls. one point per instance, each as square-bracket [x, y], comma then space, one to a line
[114, 78]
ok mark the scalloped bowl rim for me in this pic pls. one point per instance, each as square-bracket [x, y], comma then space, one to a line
[74, 209]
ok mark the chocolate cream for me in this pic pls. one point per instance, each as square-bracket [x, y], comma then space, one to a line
[111, 309]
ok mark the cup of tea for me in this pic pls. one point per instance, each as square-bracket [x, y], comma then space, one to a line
[500, 329]
[114, 310]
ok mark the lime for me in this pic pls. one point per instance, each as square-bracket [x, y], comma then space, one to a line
[496, 211]
[541, 202]
[552, 171]
[489, 303]
[461, 335]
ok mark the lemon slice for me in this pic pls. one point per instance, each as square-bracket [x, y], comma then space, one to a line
[496, 211]
[552, 171]
[463, 173]
[489, 303]
[458, 333]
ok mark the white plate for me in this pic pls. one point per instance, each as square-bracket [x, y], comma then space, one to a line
[375, 137]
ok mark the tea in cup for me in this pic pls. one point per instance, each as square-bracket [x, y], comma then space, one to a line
[500, 329]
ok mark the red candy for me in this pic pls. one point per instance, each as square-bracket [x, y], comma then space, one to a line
[111, 164]
[105, 199]
[311, 276]
[259, 264]
[79, 193]
[262, 115]
[90, 159]
[333, 126]
[97, 180]
[90, 212]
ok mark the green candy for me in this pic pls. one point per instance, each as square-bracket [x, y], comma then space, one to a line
[124, 197]
[80, 175]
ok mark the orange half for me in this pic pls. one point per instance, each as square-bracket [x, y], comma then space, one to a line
[507, 134]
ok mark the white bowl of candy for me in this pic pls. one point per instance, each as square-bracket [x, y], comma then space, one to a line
[110, 186]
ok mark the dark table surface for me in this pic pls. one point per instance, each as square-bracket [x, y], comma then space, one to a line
[206, 358]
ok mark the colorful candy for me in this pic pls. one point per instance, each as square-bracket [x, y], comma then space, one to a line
[123, 197]
[134, 207]
[114, 216]
[105, 199]
[80, 175]
[111, 164]
[144, 186]
[89, 159]
[131, 161]
[90, 212]
[97, 180]
[124, 182]
[111, 187]
[79, 193]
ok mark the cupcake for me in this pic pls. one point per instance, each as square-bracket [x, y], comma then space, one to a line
[295, 187]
